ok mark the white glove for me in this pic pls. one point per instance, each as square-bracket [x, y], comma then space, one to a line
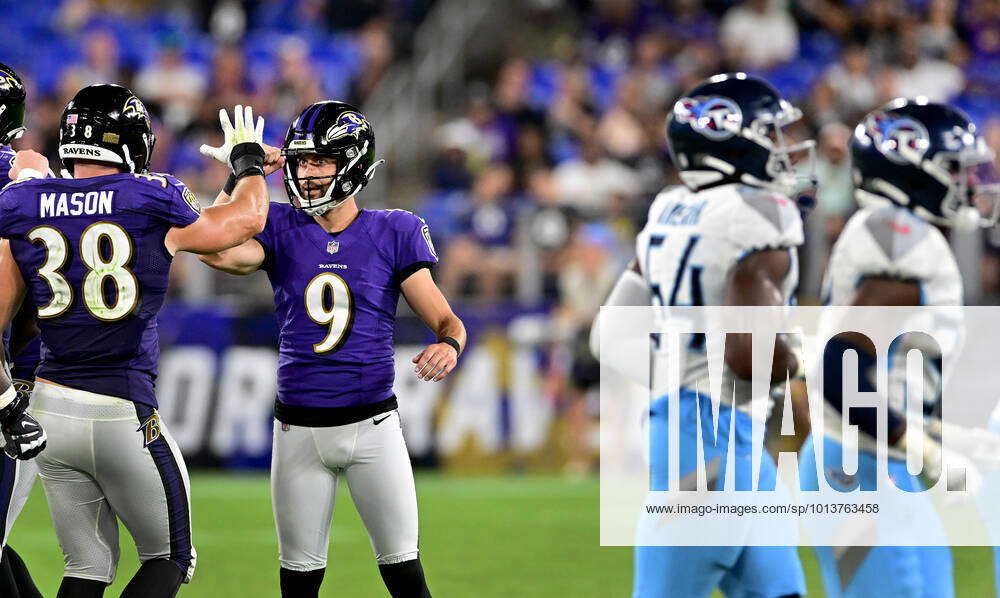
[235, 134]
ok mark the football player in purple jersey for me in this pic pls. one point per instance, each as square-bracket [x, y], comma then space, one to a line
[337, 273]
[92, 253]
[17, 475]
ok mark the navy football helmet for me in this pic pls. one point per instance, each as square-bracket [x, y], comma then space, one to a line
[929, 158]
[11, 105]
[106, 123]
[728, 129]
[340, 131]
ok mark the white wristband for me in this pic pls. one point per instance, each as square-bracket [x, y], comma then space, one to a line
[29, 173]
[8, 396]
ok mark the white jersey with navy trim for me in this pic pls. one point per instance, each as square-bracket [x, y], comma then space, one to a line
[691, 242]
[891, 242]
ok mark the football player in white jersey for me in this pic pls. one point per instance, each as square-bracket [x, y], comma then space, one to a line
[727, 237]
[917, 171]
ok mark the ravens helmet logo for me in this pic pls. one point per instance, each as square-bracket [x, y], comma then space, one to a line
[349, 124]
[134, 106]
[8, 81]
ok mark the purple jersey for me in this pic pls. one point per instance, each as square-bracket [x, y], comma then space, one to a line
[24, 363]
[335, 297]
[91, 252]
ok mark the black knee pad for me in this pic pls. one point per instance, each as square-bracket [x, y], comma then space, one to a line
[405, 580]
[74, 587]
[158, 578]
[301, 584]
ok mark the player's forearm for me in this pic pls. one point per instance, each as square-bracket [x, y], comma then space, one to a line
[240, 260]
[235, 222]
[450, 325]
[250, 198]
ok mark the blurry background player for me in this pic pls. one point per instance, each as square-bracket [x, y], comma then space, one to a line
[727, 237]
[17, 476]
[92, 253]
[337, 273]
[930, 158]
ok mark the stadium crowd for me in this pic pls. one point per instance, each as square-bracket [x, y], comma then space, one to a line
[535, 190]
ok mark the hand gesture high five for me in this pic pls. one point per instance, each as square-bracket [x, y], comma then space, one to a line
[240, 130]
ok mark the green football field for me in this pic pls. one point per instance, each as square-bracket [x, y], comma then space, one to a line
[486, 537]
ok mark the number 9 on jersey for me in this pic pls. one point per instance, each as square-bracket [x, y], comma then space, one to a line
[329, 303]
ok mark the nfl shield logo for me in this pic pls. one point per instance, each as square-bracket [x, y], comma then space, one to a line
[333, 247]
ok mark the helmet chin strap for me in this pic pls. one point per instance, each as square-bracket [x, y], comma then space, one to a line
[128, 158]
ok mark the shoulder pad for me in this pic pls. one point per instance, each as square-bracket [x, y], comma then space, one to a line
[168, 182]
[772, 206]
[896, 230]
[400, 219]
[665, 196]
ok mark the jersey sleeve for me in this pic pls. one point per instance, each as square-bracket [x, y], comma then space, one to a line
[6, 164]
[165, 197]
[764, 220]
[10, 217]
[185, 207]
[414, 248]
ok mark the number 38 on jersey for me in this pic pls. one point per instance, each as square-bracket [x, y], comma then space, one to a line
[106, 251]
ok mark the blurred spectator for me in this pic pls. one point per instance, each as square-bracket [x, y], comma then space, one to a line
[593, 184]
[834, 205]
[938, 35]
[938, 80]
[835, 187]
[177, 87]
[759, 34]
[229, 84]
[620, 129]
[572, 113]
[296, 85]
[481, 254]
[530, 153]
[511, 105]
[650, 73]
[475, 135]
[846, 91]
[376, 51]
[100, 60]
[982, 24]
[614, 25]
[548, 231]
[877, 29]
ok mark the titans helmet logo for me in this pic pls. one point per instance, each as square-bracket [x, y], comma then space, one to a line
[349, 124]
[902, 140]
[714, 117]
[134, 106]
[8, 81]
